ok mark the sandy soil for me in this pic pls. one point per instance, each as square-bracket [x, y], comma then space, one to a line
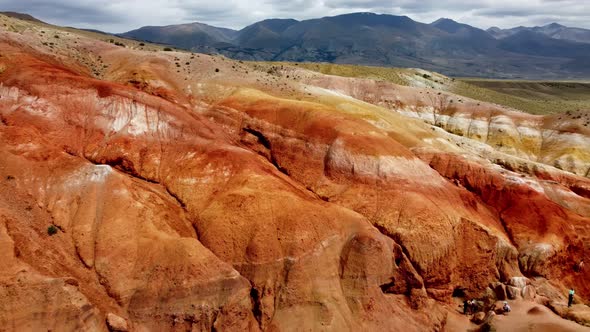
[525, 316]
[529, 316]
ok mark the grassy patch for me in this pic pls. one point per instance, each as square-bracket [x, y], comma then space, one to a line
[394, 75]
[530, 96]
[527, 96]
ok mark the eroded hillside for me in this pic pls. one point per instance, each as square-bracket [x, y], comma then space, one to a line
[192, 192]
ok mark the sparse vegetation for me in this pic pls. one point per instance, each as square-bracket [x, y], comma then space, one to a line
[529, 96]
[167, 49]
[394, 75]
[440, 103]
[52, 230]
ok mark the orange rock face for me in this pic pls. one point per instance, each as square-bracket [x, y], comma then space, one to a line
[216, 201]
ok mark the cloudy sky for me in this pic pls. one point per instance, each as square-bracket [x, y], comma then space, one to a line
[124, 15]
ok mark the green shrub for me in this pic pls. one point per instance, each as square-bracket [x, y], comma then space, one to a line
[167, 49]
[52, 230]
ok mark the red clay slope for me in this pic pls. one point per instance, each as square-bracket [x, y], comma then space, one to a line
[230, 208]
[166, 221]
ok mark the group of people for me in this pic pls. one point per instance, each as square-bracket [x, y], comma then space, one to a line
[470, 307]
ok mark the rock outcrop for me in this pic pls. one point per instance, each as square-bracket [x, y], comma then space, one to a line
[203, 198]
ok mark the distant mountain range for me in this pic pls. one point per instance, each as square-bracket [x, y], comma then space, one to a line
[553, 30]
[549, 52]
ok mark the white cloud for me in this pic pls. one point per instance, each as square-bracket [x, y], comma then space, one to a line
[124, 15]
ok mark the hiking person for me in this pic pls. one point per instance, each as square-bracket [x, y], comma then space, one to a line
[506, 308]
[465, 307]
[473, 306]
[570, 298]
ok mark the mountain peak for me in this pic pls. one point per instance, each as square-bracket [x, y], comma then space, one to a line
[367, 15]
[372, 19]
[444, 20]
[360, 14]
[274, 24]
[449, 25]
[554, 25]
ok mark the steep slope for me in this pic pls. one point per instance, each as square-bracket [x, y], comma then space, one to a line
[450, 26]
[196, 192]
[463, 40]
[265, 34]
[315, 260]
